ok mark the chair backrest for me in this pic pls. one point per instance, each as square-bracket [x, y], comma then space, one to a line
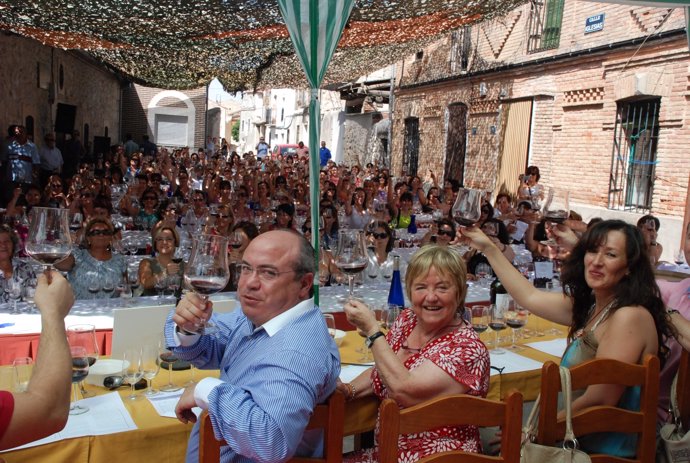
[683, 388]
[604, 418]
[329, 416]
[454, 410]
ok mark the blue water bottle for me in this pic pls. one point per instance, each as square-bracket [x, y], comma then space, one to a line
[412, 227]
[395, 294]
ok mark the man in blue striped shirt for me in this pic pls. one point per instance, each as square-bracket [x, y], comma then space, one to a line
[275, 355]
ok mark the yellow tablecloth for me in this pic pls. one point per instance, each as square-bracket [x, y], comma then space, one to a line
[164, 440]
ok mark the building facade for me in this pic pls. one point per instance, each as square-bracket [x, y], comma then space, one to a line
[594, 94]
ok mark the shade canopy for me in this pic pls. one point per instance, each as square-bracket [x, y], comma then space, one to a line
[244, 43]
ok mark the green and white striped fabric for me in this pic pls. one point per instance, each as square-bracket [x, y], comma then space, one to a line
[315, 27]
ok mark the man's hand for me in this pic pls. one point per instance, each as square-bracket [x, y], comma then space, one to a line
[53, 294]
[183, 409]
[190, 311]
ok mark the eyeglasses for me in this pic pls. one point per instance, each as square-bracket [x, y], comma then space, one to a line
[264, 273]
[198, 200]
[164, 239]
[100, 232]
[56, 185]
[379, 236]
[224, 216]
[150, 198]
[448, 233]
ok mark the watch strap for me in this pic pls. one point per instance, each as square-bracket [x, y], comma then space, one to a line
[370, 339]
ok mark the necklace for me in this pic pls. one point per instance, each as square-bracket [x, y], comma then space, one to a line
[591, 313]
[433, 336]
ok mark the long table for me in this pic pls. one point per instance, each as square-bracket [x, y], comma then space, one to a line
[165, 439]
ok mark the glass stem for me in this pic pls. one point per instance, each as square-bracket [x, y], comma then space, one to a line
[514, 344]
[148, 386]
[351, 284]
[131, 394]
[170, 383]
[75, 397]
[496, 343]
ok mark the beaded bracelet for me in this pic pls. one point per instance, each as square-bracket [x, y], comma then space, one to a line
[351, 391]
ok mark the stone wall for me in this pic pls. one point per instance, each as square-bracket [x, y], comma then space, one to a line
[25, 89]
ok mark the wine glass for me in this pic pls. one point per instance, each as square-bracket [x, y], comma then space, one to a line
[80, 369]
[84, 335]
[484, 272]
[679, 257]
[150, 366]
[468, 207]
[516, 318]
[235, 240]
[480, 318]
[556, 208]
[168, 356]
[207, 271]
[22, 367]
[30, 293]
[330, 323]
[351, 257]
[49, 238]
[497, 323]
[13, 288]
[132, 370]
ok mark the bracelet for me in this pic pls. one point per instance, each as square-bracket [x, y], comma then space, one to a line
[351, 391]
[670, 312]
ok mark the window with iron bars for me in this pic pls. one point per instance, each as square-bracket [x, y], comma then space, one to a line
[635, 140]
[545, 21]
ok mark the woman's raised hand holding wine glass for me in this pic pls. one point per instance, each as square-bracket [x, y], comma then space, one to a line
[468, 207]
[207, 271]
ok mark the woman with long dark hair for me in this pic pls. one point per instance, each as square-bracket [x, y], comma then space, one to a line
[611, 304]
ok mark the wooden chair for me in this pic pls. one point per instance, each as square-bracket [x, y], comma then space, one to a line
[329, 416]
[454, 410]
[604, 418]
[683, 388]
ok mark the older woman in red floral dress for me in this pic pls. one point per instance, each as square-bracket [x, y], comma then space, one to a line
[430, 351]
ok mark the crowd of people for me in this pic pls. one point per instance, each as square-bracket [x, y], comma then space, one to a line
[609, 300]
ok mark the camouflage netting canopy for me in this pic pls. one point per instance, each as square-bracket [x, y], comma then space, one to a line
[181, 44]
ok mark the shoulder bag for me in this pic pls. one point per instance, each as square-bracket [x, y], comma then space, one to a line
[568, 453]
[675, 442]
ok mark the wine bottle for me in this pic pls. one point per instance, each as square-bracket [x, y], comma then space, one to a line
[395, 294]
[412, 227]
[499, 295]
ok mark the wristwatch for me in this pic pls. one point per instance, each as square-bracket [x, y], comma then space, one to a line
[370, 339]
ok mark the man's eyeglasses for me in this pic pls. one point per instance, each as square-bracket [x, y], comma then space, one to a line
[264, 273]
[99, 233]
[448, 233]
[379, 236]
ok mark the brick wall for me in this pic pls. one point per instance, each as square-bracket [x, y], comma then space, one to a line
[93, 90]
[574, 100]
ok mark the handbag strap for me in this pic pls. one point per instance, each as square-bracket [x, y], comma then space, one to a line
[529, 431]
[569, 440]
[674, 412]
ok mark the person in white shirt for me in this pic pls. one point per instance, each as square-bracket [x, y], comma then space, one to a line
[51, 159]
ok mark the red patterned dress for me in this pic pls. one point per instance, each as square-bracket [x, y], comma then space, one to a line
[463, 356]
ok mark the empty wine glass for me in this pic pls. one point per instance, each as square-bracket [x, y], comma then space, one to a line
[30, 293]
[330, 323]
[484, 272]
[497, 323]
[207, 271]
[132, 370]
[150, 366]
[468, 207]
[22, 367]
[351, 257]
[49, 238]
[13, 288]
[84, 335]
[80, 369]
